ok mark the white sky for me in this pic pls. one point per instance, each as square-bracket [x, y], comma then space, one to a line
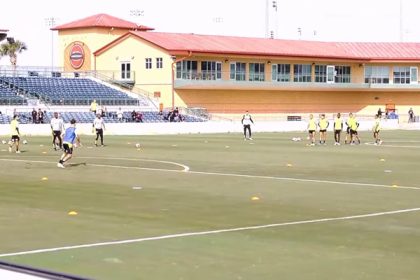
[333, 20]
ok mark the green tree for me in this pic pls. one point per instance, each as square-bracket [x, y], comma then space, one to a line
[12, 48]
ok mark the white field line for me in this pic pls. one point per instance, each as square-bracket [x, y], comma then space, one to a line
[209, 232]
[392, 146]
[232, 175]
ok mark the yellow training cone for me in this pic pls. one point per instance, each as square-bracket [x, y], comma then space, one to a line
[44, 152]
[72, 213]
[255, 198]
[382, 159]
[395, 186]
[44, 179]
[289, 165]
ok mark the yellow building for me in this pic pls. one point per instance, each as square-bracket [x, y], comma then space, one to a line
[227, 74]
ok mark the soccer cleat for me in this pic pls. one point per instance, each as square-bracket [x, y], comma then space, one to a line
[10, 149]
[60, 165]
[17, 152]
[250, 138]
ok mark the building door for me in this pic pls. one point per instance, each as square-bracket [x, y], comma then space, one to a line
[330, 74]
[414, 75]
[125, 70]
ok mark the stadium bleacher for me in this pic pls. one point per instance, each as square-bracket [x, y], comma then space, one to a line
[70, 91]
[88, 117]
[9, 97]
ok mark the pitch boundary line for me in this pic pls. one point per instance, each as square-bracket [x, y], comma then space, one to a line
[209, 232]
[233, 175]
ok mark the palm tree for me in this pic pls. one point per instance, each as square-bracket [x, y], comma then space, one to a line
[12, 48]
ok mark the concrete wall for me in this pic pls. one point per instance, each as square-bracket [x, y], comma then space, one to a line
[187, 128]
[135, 51]
[92, 38]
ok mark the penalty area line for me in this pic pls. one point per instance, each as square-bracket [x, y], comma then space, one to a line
[210, 232]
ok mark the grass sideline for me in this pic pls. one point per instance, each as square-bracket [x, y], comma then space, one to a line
[122, 193]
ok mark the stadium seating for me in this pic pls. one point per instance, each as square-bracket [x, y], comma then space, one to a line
[88, 117]
[70, 91]
[9, 97]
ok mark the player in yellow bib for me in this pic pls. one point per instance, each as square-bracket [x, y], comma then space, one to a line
[323, 125]
[376, 129]
[348, 124]
[338, 127]
[14, 134]
[354, 125]
[311, 129]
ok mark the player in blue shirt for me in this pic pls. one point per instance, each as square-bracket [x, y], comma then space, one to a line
[70, 140]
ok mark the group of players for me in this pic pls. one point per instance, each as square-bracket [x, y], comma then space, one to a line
[351, 131]
[66, 139]
[62, 139]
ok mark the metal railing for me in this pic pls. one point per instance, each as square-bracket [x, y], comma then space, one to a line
[223, 78]
[48, 72]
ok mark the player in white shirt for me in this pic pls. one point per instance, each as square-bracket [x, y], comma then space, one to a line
[57, 127]
[99, 126]
[246, 121]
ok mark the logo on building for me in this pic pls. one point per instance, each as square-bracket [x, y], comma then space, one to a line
[77, 56]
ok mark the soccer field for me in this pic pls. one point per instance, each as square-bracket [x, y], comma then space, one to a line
[215, 207]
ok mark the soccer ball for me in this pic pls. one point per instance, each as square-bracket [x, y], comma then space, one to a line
[4, 142]
[137, 145]
[24, 142]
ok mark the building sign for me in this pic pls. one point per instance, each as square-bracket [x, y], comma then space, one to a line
[77, 56]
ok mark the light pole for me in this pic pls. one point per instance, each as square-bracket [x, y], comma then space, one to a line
[51, 22]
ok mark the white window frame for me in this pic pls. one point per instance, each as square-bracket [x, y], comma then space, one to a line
[148, 63]
[159, 62]
[412, 70]
[331, 74]
[126, 74]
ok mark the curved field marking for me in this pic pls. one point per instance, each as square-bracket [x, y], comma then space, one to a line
[185, 167]
[209, 232]
[234, 175]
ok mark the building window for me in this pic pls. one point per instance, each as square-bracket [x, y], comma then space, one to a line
[125, 70]
[148, 63]
[402, 75]
[211, 70]
[377, 74]
[302, 73]
[280, 72]
[320, 73]
[257, 72]
[342, 74]
[237, 71]
[159, 63]
[186, 69]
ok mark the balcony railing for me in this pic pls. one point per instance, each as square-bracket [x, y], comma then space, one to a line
[222, 80]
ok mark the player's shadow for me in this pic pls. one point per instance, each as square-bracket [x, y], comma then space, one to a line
[77, 164]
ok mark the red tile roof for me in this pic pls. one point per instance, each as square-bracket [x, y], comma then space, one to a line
[102, 20]
[211, 44]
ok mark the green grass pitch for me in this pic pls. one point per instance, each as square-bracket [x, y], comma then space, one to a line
[120, 193]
